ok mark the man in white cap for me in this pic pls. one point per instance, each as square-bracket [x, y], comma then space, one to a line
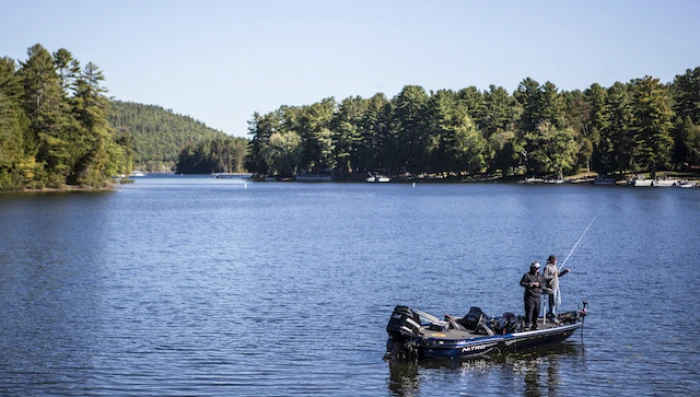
[533, 283]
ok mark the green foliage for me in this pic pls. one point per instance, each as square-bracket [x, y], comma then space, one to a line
[158, 135]
[209, 156]
[54, 129]
[538, 129]
[283, 153]
[652, 124]
[552, 150]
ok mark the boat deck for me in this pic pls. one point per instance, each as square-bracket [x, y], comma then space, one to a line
[470, 334]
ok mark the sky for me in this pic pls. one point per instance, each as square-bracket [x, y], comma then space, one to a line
[221, 61]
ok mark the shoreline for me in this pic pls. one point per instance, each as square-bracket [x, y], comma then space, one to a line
[67, 189]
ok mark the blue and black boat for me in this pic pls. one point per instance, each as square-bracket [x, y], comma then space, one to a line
[414, 334]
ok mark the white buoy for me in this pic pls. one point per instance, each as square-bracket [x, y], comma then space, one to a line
[414, 184]
[245, 186]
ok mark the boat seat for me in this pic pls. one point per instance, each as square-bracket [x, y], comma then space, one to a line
[472, 319]
[453, 324]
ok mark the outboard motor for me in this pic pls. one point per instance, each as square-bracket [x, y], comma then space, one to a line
[404, 324]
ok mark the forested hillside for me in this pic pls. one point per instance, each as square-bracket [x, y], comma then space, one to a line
[643, 125]
[158, 135]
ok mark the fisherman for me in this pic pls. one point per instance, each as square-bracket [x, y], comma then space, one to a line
[551, 276]
[533, 283]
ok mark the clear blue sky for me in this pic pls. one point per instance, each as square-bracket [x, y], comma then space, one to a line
[220, 61]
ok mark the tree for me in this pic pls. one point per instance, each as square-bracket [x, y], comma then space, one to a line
[686, 90]
[498, 111]
[313, 126]
[375, 148]
[408, 128]
[283, 153]
[347, 127]
[93, 138]
[553, 150]
[551, 105]
[620, 135]
[652, 124]
[261, 127]
[68, 68]
[529, 96]
[41, 101]
[599, 125]
[475, 102]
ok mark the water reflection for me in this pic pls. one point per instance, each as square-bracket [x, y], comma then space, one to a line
[404, 379]
[532, 373]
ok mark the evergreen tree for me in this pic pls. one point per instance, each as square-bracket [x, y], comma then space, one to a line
[686, 90]
[42, 102]
[375, 146]
[554, 150]
[620, 135]
[94, 135]
[408, 128]
[529, 96]
[498, 111]
[652, 124]
[599, 125]
[347, 129]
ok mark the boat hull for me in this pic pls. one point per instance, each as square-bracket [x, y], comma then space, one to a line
[502, 344]
[457, 339]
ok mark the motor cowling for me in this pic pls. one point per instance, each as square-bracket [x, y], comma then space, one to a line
[404, 324]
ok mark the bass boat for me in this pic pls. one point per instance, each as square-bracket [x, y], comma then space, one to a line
[415, 335]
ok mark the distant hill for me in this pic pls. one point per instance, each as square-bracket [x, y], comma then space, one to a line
[157, 134]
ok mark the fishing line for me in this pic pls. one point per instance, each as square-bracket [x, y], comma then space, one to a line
[579, 240]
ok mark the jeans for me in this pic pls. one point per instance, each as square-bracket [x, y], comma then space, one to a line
[554, 302]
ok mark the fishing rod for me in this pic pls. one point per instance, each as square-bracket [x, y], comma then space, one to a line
[579, 240]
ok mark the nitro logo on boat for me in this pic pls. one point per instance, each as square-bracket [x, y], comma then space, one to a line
[477, 348]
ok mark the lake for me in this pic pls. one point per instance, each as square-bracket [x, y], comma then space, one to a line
[195, 286]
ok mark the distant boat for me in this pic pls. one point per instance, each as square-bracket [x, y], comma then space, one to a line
[534, 180]
[658, 182]
[663, 182]
[604, 180]
[137, 173]
[223, 175]
[377, 178]
[687, 184]
[382, 178]
[641, 181]
[314, 178]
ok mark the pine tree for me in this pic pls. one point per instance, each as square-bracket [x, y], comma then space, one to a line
[652, 124]
[94, 134]
[41, 101]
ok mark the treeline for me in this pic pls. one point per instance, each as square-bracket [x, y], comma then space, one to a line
[642, 125]
[158, 135]
[54, 127]
[209, 156]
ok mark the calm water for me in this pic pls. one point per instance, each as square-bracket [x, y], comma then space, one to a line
[200, 287]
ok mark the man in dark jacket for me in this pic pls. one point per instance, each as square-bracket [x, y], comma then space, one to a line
[533, 283]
